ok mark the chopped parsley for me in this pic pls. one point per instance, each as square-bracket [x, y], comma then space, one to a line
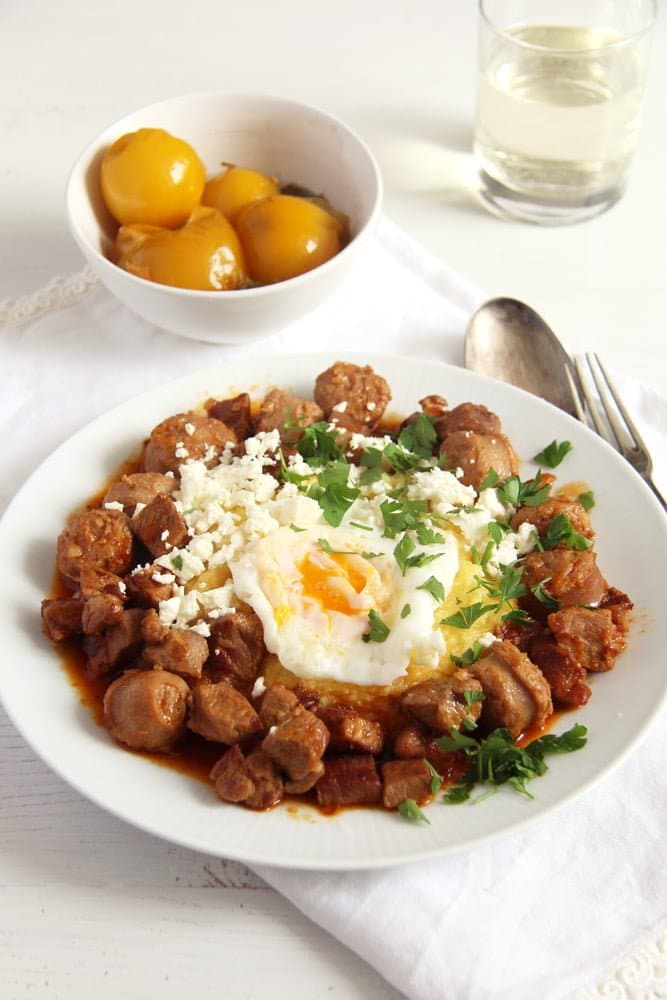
[409, 809]
[524, 494]
[508, 588]
[498, 760]
[470, 655]
[405, 610]
[465, 617]
[177, 562]
[587, 499]
[318, 445]
[538, 591]
[553, 454]
[436, 779]
[434, 588]
[377, 630]
[333, 493]
[561, 532]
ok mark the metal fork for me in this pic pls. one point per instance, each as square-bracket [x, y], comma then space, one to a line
[619, 429]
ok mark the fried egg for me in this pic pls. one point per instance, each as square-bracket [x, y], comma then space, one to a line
[336, 603]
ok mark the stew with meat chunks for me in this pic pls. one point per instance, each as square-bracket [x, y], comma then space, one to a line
[336, 606]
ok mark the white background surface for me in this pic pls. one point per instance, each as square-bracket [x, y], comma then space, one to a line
[95, 905]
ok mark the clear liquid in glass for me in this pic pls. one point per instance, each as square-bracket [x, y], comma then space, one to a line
[557, 119]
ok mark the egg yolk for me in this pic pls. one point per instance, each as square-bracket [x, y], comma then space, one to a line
[284, 236]
[151, 177]
[335, 582]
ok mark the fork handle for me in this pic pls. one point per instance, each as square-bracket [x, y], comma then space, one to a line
[649, 482]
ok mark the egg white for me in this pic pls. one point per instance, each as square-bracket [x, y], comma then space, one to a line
[319, 633]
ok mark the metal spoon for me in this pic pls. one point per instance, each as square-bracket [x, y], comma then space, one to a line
[508, 340]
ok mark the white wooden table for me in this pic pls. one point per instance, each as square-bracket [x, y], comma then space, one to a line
[90, 905]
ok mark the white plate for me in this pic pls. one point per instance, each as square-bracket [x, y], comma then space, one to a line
[632, 549]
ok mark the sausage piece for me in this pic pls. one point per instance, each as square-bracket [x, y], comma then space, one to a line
[184, 436]
[100, 537]
[516, 694]
[440, 703]
[354, 393]
[477, 453]
[145, 709]
[467, 417]
[543, 514]
[573, 578]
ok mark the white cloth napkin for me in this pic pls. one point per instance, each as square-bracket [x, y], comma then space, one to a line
[531, 917]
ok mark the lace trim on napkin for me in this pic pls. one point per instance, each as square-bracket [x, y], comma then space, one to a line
[640, 974]
[59, 293]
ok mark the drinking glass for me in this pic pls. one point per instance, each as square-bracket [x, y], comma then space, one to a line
[558, 105]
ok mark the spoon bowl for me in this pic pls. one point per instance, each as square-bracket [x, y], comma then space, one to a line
[508, 340]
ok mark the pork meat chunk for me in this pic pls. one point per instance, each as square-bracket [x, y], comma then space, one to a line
[145, 709]
[589, 636]
[441, 703]
[405, 779]
[565, 676]
[516, 693]
[277, 704]
[298, 743]
[160, 527]
[115, 646]
[284, 412]
[350, 779]
[350, 731]
[61, 617]
[180, 651]
[234, 412]
[236, 648]
[220, 714]
[139, 488]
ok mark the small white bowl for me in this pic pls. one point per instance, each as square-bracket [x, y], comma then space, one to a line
[283, 138]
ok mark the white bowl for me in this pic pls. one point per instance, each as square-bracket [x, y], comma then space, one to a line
[283, 138]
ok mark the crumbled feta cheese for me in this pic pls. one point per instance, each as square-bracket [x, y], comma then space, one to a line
[258, 688]
[113, 505]
[340, 407]
[189, 429]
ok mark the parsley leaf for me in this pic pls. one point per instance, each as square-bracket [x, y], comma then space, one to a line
[377, 631]
[402, 552]
[401, 515]
[405, 610]
[177, 562]
[471, 654]
[434, 588]
[409, 809]
[490, 480]
[333, 494]
[465, 617]
[498, 760]
[561, 530]
[553, 454]
[587, 500]
[519, 494]
[295, 527]
[508, 588]
[318, 444]
[436, 779]
[518, 616]
[538, 591]
[419, 436]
